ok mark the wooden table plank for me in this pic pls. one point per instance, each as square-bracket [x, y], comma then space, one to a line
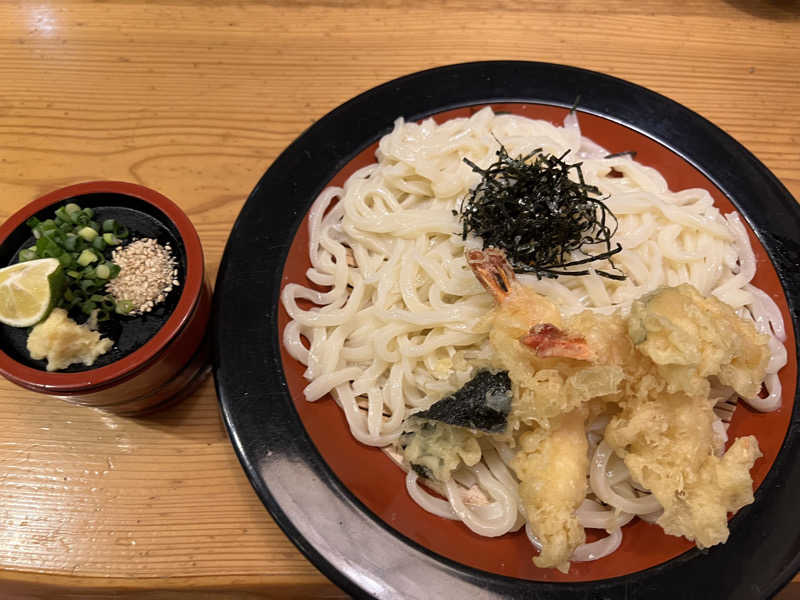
[196, 99]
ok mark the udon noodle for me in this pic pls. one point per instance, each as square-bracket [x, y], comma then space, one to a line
[396, 321]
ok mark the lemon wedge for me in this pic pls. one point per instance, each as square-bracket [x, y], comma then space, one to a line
[29, 290]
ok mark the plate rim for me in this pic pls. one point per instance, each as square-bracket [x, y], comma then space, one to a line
[495, 85]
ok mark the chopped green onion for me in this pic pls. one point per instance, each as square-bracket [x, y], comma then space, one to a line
[88, 285]
[27, 254]
[88, 306]
[47, 248]
[71, 242]
[86, 257]
[80, 245]
[111, 239]
[124, 307]
[54, 234]
[87, 233]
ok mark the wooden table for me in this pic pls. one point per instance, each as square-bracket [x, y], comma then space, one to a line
[195, 99]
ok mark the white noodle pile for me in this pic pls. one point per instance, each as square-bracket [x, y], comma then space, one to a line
[397, 326]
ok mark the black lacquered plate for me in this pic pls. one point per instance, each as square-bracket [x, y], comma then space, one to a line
[319, 506]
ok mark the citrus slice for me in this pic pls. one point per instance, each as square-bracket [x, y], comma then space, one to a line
[29, 290]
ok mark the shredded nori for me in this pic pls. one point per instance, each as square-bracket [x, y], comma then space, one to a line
[482, 403]
[529, 207]
[629, 153]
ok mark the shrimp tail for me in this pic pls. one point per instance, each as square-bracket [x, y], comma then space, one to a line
[493, 271]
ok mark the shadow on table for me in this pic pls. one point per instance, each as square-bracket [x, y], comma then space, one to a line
[195, 417]
[775, 10]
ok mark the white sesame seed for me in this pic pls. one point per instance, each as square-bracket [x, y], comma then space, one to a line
[147, 274]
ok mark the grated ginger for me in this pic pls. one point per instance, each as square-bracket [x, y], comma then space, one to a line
[63, 342]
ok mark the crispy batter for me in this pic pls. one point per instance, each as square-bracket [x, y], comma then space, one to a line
[436, 449]
[652, 371]
[667, 443]
[550, 386]
[691, 338]
[552, 467]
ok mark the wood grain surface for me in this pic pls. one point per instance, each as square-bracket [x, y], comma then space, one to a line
[196, 99]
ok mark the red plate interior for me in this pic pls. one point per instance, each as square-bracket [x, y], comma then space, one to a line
[380, 485]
